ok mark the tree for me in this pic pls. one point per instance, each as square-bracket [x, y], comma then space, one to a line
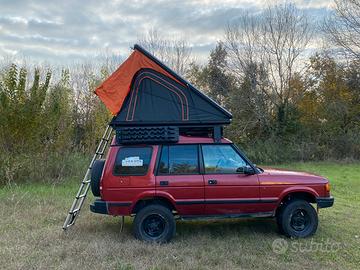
[89, 113]
[330, 110]
[21, 107]
[220, 84]
[213, 78]
[265, 50]
[343, 28]
[173, 51]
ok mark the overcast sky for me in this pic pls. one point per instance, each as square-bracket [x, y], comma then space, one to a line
[66, 31]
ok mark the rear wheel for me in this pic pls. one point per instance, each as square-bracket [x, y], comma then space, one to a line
[154, 223]
[298, 219]
[279, 218]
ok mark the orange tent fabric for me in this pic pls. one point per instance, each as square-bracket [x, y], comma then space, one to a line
[114, 89]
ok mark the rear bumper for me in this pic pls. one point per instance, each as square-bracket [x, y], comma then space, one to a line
[324, 202]
[99, 207]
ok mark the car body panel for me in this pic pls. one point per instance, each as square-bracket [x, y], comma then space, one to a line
[233, 193]
[126, 189]
[192, 195]
[187, 191]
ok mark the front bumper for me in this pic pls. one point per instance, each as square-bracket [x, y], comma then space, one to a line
[324, 202]
[99, 207]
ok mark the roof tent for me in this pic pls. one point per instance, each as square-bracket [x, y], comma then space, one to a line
[144, 92]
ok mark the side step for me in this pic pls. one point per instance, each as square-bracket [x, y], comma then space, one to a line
[85, 183]
[241, 215]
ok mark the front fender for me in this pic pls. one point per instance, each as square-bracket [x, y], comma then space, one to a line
[295, 189]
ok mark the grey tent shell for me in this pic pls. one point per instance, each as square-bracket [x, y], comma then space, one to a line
[157, 100]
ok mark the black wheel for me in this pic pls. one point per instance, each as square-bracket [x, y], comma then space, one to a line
[154, 223]
[96, 172]
[298, 219]
[279, 218]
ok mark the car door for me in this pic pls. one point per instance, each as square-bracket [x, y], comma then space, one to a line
[228, 191]
[178, 176]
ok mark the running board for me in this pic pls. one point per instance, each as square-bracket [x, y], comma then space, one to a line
[226, 216]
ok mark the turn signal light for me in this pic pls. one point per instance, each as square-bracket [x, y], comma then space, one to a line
[327, 187]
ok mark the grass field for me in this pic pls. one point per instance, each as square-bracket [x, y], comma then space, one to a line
[31, 236]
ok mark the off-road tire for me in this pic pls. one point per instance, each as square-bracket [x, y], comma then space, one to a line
[96, 172]
[145, 219]
[278, 217]
[298, 219]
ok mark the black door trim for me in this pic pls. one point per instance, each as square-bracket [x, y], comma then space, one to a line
[245, 201]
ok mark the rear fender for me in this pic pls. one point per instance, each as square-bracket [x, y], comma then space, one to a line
[152, 194]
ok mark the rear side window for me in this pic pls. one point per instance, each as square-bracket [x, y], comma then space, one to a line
[179, 159]
[132, 161]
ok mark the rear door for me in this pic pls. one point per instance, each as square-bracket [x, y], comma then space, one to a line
[226, 190]
[178, 176]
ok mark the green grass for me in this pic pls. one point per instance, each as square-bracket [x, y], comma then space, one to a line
[31, 235]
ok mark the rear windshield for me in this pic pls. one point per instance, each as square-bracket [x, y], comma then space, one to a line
[132, 161]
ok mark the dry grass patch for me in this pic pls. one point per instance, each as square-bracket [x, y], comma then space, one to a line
[31, 235]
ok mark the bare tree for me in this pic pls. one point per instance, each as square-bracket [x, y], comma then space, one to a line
[266, 49]
[174, 52]
[343, 28]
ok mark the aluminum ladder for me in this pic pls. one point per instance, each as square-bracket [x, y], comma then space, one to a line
[85, 183]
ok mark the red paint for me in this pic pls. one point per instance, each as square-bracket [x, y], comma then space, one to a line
[231, 187]
[193, 195]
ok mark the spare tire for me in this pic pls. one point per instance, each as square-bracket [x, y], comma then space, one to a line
[96, 172]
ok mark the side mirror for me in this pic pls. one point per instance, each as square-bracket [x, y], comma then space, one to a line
[245, 170]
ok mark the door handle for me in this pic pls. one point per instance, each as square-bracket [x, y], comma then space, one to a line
[164, 183]
[212, 182]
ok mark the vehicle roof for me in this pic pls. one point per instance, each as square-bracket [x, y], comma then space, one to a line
[192, 139]
[189, 140]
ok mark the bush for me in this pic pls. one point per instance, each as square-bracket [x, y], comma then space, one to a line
[50, 167]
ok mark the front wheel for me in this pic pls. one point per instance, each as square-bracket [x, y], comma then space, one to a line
[298, 219]
[154, 223]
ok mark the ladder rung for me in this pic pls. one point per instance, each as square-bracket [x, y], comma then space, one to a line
[80, 196]
[85, 182]
[99, 153]
[74, 211]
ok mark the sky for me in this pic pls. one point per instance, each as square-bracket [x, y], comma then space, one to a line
[68, 31]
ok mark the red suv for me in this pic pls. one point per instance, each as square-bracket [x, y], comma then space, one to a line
[199, 178]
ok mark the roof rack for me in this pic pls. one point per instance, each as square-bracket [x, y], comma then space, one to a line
[164, 134]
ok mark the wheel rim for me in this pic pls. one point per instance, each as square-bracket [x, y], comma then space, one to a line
[300, 220]
[154, 225]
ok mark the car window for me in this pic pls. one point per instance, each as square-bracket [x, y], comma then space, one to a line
[132, 161]
[221, 159]
[164, 161]
[179, 159]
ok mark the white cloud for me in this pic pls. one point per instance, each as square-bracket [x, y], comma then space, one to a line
[63, 31]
